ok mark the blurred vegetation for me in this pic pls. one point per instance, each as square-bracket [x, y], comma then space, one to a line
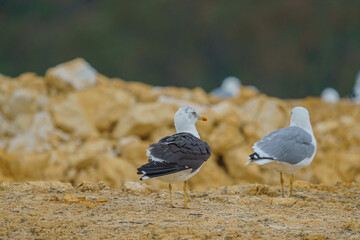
[285, 48]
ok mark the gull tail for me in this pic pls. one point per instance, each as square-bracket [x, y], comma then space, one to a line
[255, 158]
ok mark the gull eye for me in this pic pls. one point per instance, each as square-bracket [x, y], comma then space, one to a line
[193, 113]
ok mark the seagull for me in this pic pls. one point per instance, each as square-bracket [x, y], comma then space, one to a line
[288, 149]
[356, 89]
[330, 95]
[230, 87]
[178, 157]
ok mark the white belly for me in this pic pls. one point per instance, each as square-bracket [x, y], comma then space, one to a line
[181, 176]
[286, 167]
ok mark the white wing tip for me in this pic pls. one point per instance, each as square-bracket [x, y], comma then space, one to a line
[144, 178]
[249, 162]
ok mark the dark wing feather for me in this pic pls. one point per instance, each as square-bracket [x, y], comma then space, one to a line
[157, 169]
[183, 149]
[177, 153]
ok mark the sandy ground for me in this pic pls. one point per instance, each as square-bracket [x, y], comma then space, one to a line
[53, 210]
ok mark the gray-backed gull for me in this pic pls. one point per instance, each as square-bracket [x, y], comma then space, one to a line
[330, 95]
[178, 157]
[230, 87]
[288, 149]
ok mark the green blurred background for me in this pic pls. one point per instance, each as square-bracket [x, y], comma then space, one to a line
[288, 49]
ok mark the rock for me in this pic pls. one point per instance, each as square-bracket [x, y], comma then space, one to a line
[74, 129]
[133, 149]
[37, 138]
[87, 155]
[349, 169]
[116, 171]
[226, 191]
[73, 75]
[104, 105]
[209, 174]
[71, 199]
[9, 167]
[141, 91]
[224, 137]
[196, 95]
[22, 101]
[32, 82]
[269, 113]
[88, 186]
[102, 185]
[136, 188]
[235, 160]
[143, 118]
[70, 116]
[180, 103]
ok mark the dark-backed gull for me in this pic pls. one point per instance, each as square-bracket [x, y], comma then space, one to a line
[288, 149]
[178, 157]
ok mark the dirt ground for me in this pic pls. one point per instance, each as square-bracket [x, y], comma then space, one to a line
[54, 210]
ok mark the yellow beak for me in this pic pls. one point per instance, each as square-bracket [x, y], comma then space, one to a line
[202, 118]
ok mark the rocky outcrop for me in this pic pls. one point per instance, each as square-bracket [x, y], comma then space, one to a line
[76, 125]
[73, 75]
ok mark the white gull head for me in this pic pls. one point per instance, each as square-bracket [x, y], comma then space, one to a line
[330, 95]
[300, 117]
[231, 85]
[185, 119]
[356, 90]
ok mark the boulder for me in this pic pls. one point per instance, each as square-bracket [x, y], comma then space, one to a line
[136, 188]
[269, 113]
[37, 138]
[104, 105]
[209, 175]
[133, 149]
[73, 75]
[70, 116]
[224, 137]
[22, 101]
[143, 118]
[9, 167]
[235, 160]
[116, 171]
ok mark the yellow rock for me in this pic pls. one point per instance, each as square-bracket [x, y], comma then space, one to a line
[143, 118]
[104, 105]
[70, 116]
[73, 75]
[235, 160]
[71, 199]
[225, 137]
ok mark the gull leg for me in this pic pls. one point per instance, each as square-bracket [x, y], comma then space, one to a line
[185, 202]
[282, 184]
[291, 184]
[170, 188]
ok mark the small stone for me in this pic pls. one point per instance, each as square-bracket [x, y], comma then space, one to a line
[71, 199]
[102, 186]
[88, 186]
[101, 199]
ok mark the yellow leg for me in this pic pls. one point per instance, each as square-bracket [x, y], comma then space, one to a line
[170, 188]
[282, 184]
[185, 202]
[291, 184]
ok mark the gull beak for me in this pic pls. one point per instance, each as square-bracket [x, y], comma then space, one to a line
[202, 118]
